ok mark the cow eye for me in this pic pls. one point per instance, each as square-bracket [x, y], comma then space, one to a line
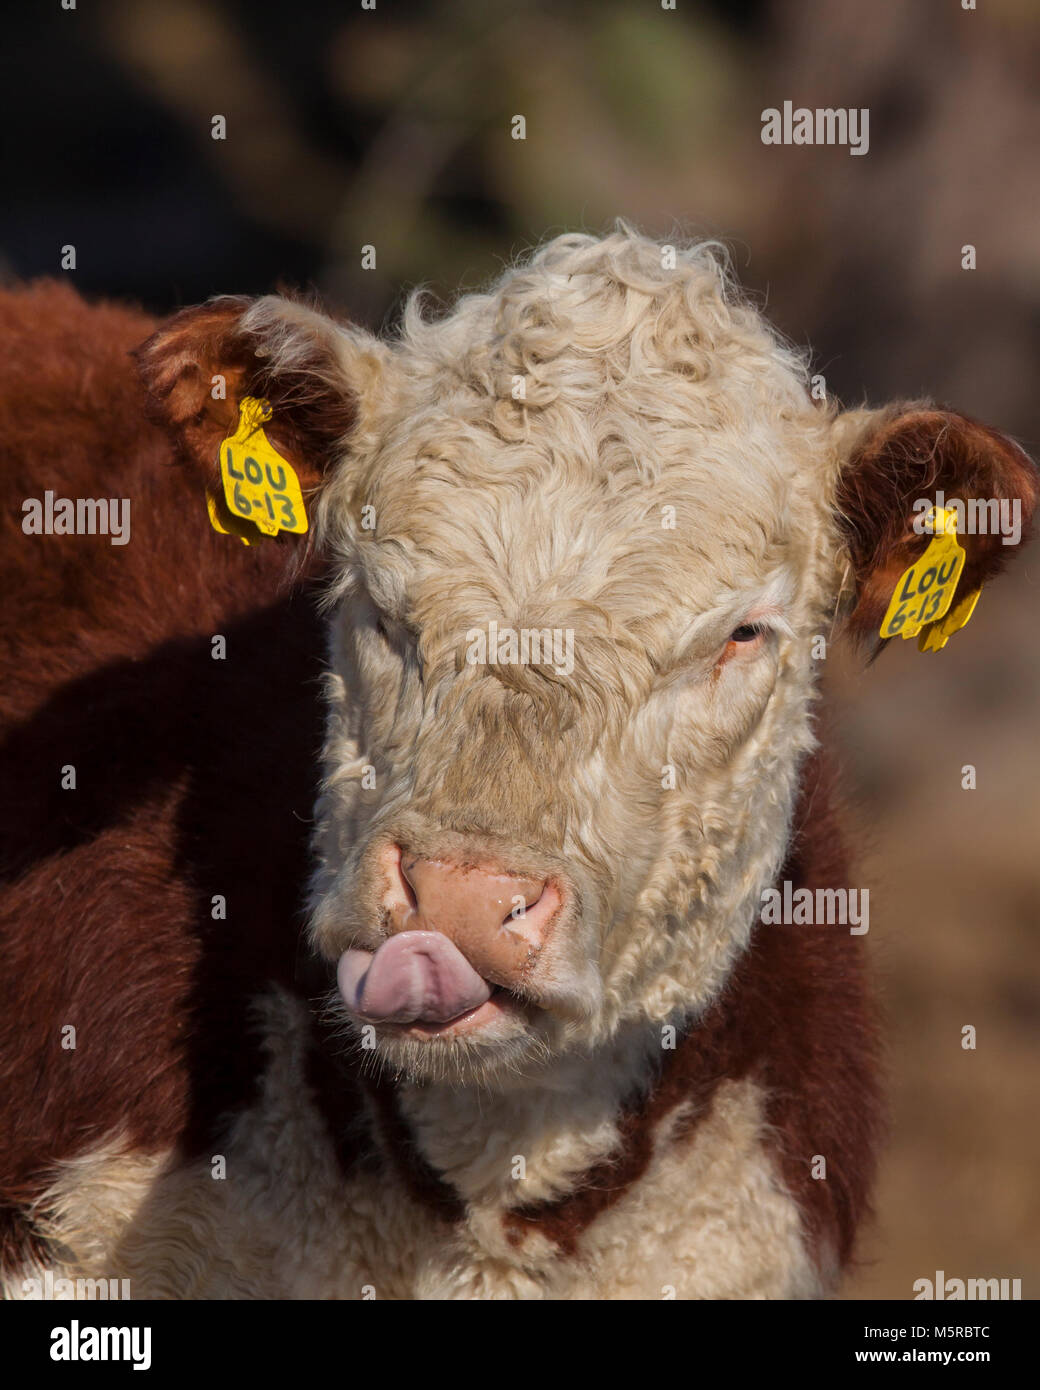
[747, 632]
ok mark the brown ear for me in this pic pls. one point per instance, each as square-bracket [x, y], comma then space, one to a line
[902, 456]
[316, 374]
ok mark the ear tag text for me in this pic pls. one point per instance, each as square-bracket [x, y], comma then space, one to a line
[260, 485]
[924, 592]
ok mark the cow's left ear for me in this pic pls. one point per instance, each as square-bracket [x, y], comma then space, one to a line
[892, 464]
[321, 379]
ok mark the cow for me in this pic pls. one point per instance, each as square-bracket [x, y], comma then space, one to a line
[387, 834]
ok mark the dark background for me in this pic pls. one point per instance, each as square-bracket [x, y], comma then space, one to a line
[392, 128]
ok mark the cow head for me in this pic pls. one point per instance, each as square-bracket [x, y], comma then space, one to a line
[583, 530]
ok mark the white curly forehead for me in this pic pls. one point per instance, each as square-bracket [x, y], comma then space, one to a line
[609, 416]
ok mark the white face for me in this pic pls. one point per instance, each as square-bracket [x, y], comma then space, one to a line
[571, 663]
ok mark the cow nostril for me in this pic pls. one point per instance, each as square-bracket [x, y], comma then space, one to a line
[473, 904]
[530, 903]
[406, 864]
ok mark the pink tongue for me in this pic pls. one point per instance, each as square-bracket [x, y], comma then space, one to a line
[415, 976]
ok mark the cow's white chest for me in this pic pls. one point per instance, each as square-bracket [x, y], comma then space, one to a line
[706, 1218]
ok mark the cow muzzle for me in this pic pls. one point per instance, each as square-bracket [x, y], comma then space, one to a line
[459, 936]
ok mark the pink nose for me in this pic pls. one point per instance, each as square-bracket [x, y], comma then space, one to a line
[498, 921]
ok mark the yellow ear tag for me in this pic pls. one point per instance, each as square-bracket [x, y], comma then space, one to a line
[934, 638]
[925, 591]
[259, 484]
[244, 530]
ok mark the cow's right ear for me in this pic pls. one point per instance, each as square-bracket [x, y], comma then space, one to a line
[893, 465]
[324, 381]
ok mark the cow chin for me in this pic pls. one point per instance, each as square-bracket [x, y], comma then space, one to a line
[505, 1035]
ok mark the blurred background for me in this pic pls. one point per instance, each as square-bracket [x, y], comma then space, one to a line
[391, 127]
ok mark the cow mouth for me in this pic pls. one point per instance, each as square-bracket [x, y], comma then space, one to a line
[420, 984]
[501, 1004]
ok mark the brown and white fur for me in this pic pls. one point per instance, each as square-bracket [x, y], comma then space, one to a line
[610, 442]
